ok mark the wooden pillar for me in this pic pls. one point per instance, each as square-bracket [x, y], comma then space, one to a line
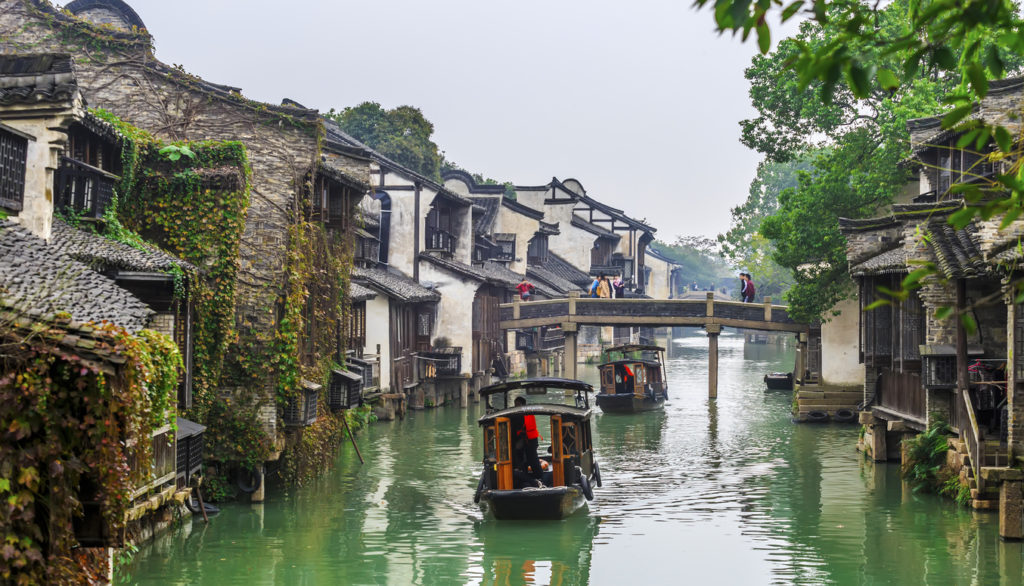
[801, 358]
[569, 351]
[713, 331]
[962, 377]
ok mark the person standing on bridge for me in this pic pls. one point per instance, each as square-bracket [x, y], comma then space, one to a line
[604, 288]
[743, 286]
[750, 290]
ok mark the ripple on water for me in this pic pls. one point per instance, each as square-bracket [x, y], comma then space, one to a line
[726, 490]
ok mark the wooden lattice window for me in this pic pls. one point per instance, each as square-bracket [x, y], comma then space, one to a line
[13, 151]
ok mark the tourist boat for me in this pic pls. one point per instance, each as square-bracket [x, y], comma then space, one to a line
[779, 381]
[505, 489]
[632, 379]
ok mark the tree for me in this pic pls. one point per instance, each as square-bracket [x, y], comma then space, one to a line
[864, 51]
[401, 134]
[853, 142]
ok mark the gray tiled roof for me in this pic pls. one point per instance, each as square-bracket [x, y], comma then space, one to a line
[484, 220]
[103, 253]
[38, 279]
[357, 292]
[489, 272]
[35, 78]
[564, 270]
[394, 285]
[888, 262]
[956, 252]
[553, 281]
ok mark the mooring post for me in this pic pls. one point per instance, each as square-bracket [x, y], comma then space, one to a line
[713, 331]
[569, 351]
[801, 358]
[768, 309]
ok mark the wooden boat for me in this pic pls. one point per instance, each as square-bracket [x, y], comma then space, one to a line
[632, 379]
[779, 381]
[505, 489]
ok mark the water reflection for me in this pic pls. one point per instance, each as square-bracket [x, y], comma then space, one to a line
[726, 490]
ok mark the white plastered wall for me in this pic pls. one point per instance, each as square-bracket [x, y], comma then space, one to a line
[455, 310]
[378, 331]
[840, 347]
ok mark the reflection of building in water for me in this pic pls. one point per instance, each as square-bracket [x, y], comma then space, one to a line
[540, 552]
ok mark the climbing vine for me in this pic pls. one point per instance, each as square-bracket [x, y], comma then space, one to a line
[64, 421]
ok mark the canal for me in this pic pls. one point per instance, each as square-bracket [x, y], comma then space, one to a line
[728, 491]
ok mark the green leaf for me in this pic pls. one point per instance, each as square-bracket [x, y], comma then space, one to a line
[764, 38]
[956, 115]
[1004, 139]
[943, 57]
[5, 485]
[859, 82]
[986, 133]
[967, 320]
[792, 9]
[911, 281]
[976, 75]
[994, 62]
[887, 80]
[943, 312]
[960, 218]
[967, 138]
[1011, 215]
[877, 303]
[821, 11]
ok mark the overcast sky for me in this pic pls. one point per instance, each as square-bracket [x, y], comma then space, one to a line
[639, 100]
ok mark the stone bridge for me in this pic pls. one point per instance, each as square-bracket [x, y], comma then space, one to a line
[709, 313]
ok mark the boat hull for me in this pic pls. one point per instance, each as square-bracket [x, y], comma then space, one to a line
[534, 503]
[778, 381]
[628, 403]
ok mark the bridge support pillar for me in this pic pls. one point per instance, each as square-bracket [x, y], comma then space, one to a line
[569, 351]
[713, 331]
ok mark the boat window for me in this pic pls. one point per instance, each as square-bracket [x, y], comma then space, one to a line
[570, 441]
[490, 448]
[505, 450]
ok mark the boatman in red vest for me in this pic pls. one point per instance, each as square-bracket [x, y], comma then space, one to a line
[531, 438]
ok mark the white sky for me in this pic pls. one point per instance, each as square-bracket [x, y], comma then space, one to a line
[640, 100]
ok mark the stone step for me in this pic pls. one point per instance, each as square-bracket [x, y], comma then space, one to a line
[985, 504]
[853, 395]
[820, 401]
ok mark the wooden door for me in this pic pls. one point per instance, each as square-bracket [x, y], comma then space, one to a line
[638, 379]
[557, 457]
[504, 453]
[608, 380]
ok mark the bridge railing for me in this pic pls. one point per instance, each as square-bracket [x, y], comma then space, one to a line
[610, 311]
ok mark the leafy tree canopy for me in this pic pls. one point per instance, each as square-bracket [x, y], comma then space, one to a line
[842, 142]
[401, 134]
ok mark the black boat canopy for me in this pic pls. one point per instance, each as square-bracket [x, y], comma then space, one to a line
[537, 382]
[568, 411]
[635, 348]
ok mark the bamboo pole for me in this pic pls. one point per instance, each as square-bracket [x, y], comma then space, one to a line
[344, 421]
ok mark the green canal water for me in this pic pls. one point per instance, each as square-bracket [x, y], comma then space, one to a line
[726, 492]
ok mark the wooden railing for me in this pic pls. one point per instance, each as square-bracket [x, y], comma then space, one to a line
[903, 394]
[649, 312]
[438, 239]
[440, 362]
[972, 437]
[162, 467]
[82, 188]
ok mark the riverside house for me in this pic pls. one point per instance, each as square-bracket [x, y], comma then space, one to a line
[71, 293]
[277, 278]
[919, 368]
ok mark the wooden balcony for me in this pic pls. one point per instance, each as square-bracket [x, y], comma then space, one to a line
[440, 362]
[438, 239]
[83, 189]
